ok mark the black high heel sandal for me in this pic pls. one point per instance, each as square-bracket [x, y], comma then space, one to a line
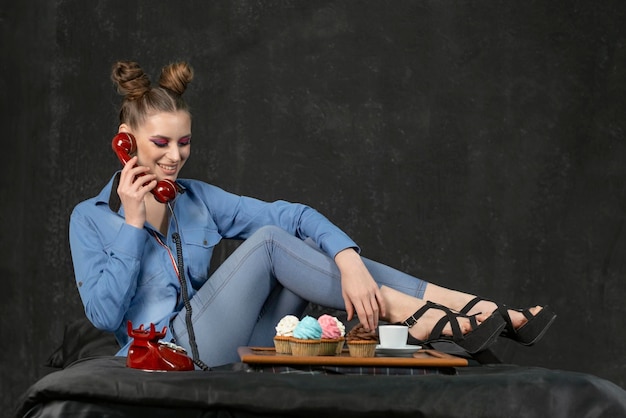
[529, 333]
[481, 336]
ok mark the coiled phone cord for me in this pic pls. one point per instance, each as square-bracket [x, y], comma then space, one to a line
[183, 288]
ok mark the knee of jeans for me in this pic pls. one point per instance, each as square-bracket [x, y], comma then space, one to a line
[268, 232]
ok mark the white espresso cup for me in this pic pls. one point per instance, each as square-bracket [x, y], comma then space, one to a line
[393, 336]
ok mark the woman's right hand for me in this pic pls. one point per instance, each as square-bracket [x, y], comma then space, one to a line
[132, 189]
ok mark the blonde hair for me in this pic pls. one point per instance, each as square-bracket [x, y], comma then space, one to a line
[141, 99]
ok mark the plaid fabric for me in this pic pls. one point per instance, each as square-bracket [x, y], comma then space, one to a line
[348, 370]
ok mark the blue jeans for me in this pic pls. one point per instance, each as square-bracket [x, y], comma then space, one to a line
[270, 275]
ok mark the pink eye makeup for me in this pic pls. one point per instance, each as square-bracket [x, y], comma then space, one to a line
[163, 142]
[159, 142]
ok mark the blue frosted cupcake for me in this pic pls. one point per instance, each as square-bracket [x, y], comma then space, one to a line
[307, 337]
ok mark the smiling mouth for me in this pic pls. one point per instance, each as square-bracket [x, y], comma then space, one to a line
[169, 168]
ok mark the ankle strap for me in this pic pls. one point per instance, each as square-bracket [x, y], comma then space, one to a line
[410, 321]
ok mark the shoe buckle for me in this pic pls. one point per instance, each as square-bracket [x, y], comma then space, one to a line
[410, 321]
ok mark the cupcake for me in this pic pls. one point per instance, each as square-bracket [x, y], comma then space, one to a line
[361, 342]
[284, 332]
[333, 332]
[306, 337]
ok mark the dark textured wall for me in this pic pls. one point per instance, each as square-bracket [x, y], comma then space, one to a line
[479, 145]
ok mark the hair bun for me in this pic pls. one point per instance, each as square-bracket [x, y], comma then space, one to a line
[130, 78]
[175, 77]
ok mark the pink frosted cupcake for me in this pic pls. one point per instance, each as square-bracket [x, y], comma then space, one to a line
[333, 332]
[284, 332]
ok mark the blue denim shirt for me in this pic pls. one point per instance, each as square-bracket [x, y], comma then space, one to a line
[123, 273]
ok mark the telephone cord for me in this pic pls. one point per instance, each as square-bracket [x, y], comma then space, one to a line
[183, 288]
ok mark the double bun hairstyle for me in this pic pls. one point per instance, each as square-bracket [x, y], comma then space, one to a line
[141, 99]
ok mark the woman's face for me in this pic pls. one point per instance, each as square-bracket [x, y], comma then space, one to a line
[163, 143]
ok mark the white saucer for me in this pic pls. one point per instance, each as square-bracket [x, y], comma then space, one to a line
[394, 351]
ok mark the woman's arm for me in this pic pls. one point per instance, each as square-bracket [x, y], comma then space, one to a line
[106, 275]
[240, 216]
[107, 250]
[359, 290]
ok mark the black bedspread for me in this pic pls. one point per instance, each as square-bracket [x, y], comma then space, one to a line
[105, 387]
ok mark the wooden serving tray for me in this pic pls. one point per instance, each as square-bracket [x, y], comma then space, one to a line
[421, 358]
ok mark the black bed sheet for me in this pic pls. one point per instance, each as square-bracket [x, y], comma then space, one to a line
[103, 386]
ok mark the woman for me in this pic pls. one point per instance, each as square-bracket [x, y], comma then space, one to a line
[136, 258]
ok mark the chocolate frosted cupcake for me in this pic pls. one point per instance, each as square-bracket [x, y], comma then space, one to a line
[361, 342]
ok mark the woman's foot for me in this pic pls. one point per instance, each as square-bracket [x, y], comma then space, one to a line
[526, 326]
[431, 322]
[518, 319]
[483, 308]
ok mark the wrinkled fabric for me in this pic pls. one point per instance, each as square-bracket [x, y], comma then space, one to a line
[99, 386]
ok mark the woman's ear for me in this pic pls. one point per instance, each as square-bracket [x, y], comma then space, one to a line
[123, 128]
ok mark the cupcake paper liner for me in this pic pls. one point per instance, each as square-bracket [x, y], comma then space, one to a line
[282, 344]
[362, 348]
[331, 347]
[305, 347]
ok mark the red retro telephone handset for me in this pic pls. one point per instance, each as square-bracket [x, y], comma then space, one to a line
[124, 145]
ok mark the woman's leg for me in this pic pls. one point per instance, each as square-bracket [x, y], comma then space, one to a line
[273, 274]
[270, 275]
[282, 302]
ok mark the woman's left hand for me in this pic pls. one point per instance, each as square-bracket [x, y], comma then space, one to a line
[359, 290]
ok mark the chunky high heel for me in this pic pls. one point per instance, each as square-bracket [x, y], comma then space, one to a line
[529, 333]
[479, 338]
